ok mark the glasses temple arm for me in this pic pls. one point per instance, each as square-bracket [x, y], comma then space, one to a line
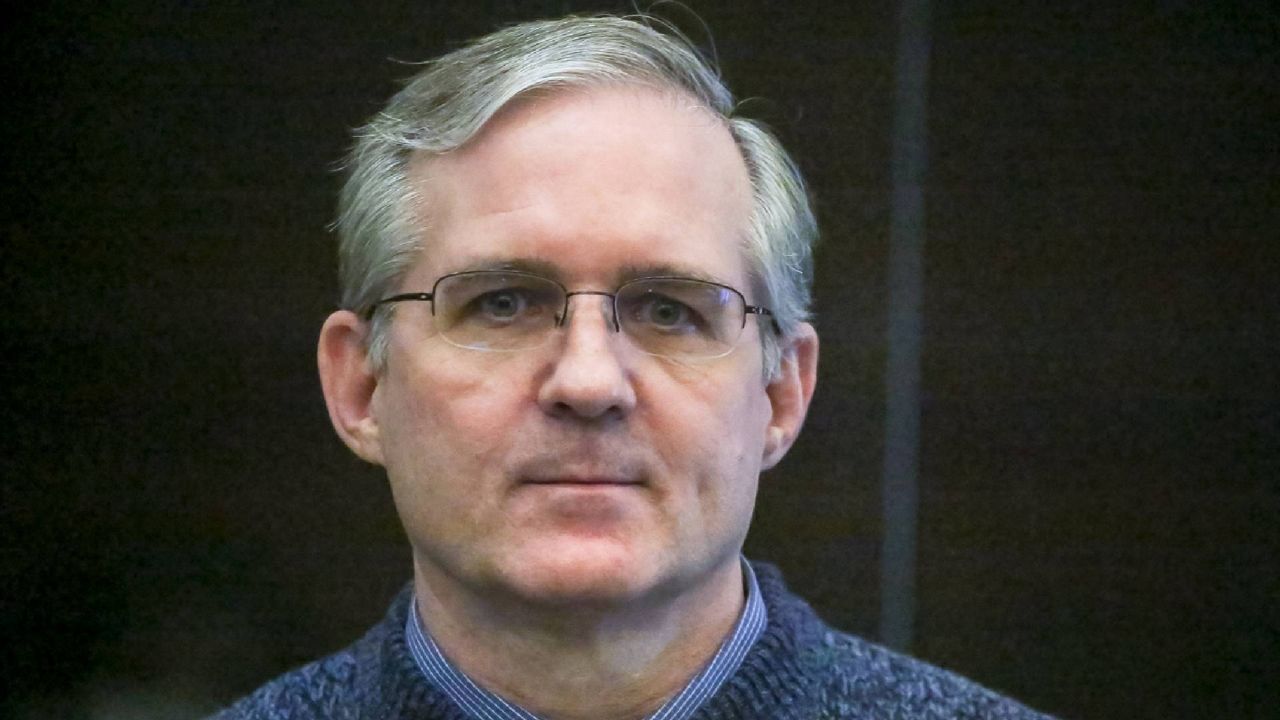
[420, 296]
[764, 311]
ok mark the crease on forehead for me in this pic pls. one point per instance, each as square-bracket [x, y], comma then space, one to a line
[673, 97]
[424, 169]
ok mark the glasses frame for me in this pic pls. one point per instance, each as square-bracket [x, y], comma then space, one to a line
[563, 317]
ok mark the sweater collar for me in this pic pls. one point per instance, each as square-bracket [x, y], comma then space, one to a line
[770, 681]
[481, 704]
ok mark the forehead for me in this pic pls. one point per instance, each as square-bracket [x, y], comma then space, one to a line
[595, 183]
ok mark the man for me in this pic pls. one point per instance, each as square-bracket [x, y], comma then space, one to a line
[574, 293]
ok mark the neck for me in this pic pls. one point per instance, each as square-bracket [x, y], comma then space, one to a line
[568, 662]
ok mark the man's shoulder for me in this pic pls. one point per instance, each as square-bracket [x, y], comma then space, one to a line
[846, 676]
[346, 685]
[318, 690]
[857, 678]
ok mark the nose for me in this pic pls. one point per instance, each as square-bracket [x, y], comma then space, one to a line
[590, 375]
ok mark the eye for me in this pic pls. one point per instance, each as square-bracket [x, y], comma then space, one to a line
[501, 304]
[502, 307]
[488, 310]
[663, 313]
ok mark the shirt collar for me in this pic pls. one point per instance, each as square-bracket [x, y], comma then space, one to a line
[484, 705]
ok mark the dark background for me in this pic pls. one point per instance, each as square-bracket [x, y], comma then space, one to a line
[1098, 518]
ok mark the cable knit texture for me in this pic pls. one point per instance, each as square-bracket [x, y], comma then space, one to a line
[799, 669]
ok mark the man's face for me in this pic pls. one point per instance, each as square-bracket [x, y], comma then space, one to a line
[582, 470]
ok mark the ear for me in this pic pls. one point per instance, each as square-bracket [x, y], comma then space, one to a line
[790, 392]
[348, 383]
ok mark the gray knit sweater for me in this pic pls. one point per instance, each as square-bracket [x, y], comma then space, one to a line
[799, 669]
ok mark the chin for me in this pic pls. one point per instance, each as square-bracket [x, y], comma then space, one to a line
[590, 572]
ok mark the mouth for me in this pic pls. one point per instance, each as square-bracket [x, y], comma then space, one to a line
[583, 481]
[598, 468]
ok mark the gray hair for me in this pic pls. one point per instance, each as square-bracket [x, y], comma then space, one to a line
[446, 104]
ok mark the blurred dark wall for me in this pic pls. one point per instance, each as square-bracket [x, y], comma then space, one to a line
[1100, 412]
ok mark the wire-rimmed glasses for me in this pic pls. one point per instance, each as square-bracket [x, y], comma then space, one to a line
[506, 310]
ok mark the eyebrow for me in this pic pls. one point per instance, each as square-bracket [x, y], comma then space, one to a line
[631, 272]
[532, 266]
[548, 269]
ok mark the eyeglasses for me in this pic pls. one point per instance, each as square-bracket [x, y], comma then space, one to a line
[499, 310]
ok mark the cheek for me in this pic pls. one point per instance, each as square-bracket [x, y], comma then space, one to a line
[444, 423]
[724, 405]
[713, 433]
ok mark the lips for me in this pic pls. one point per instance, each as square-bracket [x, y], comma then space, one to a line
[581, 480]
[583, 464]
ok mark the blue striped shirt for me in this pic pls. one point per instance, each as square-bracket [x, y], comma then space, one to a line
[484, 705]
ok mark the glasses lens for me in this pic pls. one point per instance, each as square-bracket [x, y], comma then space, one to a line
[681, 318]
[487, 310]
